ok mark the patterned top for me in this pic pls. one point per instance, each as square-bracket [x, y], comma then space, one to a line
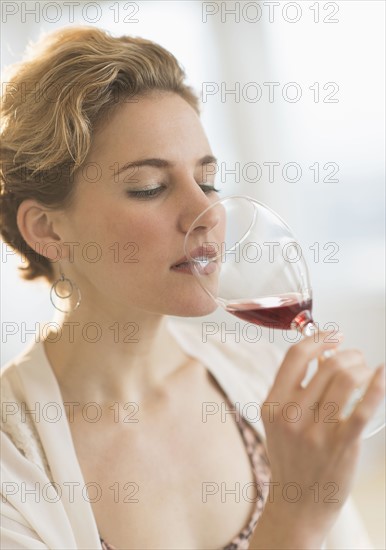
[261, 470]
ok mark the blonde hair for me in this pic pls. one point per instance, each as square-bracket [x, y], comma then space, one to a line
[51, 104]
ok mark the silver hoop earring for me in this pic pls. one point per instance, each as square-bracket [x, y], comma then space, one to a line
[72, 289]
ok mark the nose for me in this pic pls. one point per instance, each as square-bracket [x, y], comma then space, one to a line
[196, 204]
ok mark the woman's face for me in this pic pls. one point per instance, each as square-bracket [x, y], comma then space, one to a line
[128, 225]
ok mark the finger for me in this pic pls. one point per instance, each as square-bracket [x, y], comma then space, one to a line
[293, 369]
[327, 354]
[351, 373]
[365, 409]
[346, 370]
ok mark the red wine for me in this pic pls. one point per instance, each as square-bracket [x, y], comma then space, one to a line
[275, 311]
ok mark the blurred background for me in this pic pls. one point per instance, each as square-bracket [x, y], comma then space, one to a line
[293, 104]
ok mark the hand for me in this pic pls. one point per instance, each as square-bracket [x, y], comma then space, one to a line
[312, 451]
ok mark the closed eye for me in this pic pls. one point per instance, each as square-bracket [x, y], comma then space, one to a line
[155, 191]
[146, 192]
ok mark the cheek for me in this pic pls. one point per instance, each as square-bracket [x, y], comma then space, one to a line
[141, 230]
[116, 238]
[134, 241]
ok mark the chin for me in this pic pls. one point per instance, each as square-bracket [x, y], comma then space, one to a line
[197, 312]
[194, 307]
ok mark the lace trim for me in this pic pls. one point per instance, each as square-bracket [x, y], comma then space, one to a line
[21, 430]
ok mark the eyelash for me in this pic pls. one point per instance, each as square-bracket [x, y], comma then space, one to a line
[156, 190]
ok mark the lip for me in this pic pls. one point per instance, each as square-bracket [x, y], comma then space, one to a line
[186, 267]
[199, 252]
[183, 268]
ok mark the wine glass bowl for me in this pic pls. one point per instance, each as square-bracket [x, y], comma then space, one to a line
[250, 263]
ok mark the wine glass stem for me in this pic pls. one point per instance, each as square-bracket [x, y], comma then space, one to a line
[308, 329]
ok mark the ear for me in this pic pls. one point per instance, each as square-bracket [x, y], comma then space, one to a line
[36, 225]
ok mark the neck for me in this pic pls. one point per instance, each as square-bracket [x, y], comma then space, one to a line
[115, 359]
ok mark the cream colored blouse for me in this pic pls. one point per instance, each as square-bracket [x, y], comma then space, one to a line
[43, 504]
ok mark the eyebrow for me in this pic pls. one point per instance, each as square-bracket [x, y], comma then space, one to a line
[162, 163]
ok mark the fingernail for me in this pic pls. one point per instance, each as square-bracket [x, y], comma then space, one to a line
[328, 353]
[333, 337]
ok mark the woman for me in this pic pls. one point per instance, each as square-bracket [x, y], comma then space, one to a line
[104, 169]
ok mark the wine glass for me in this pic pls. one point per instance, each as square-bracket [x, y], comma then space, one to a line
[247, 259]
